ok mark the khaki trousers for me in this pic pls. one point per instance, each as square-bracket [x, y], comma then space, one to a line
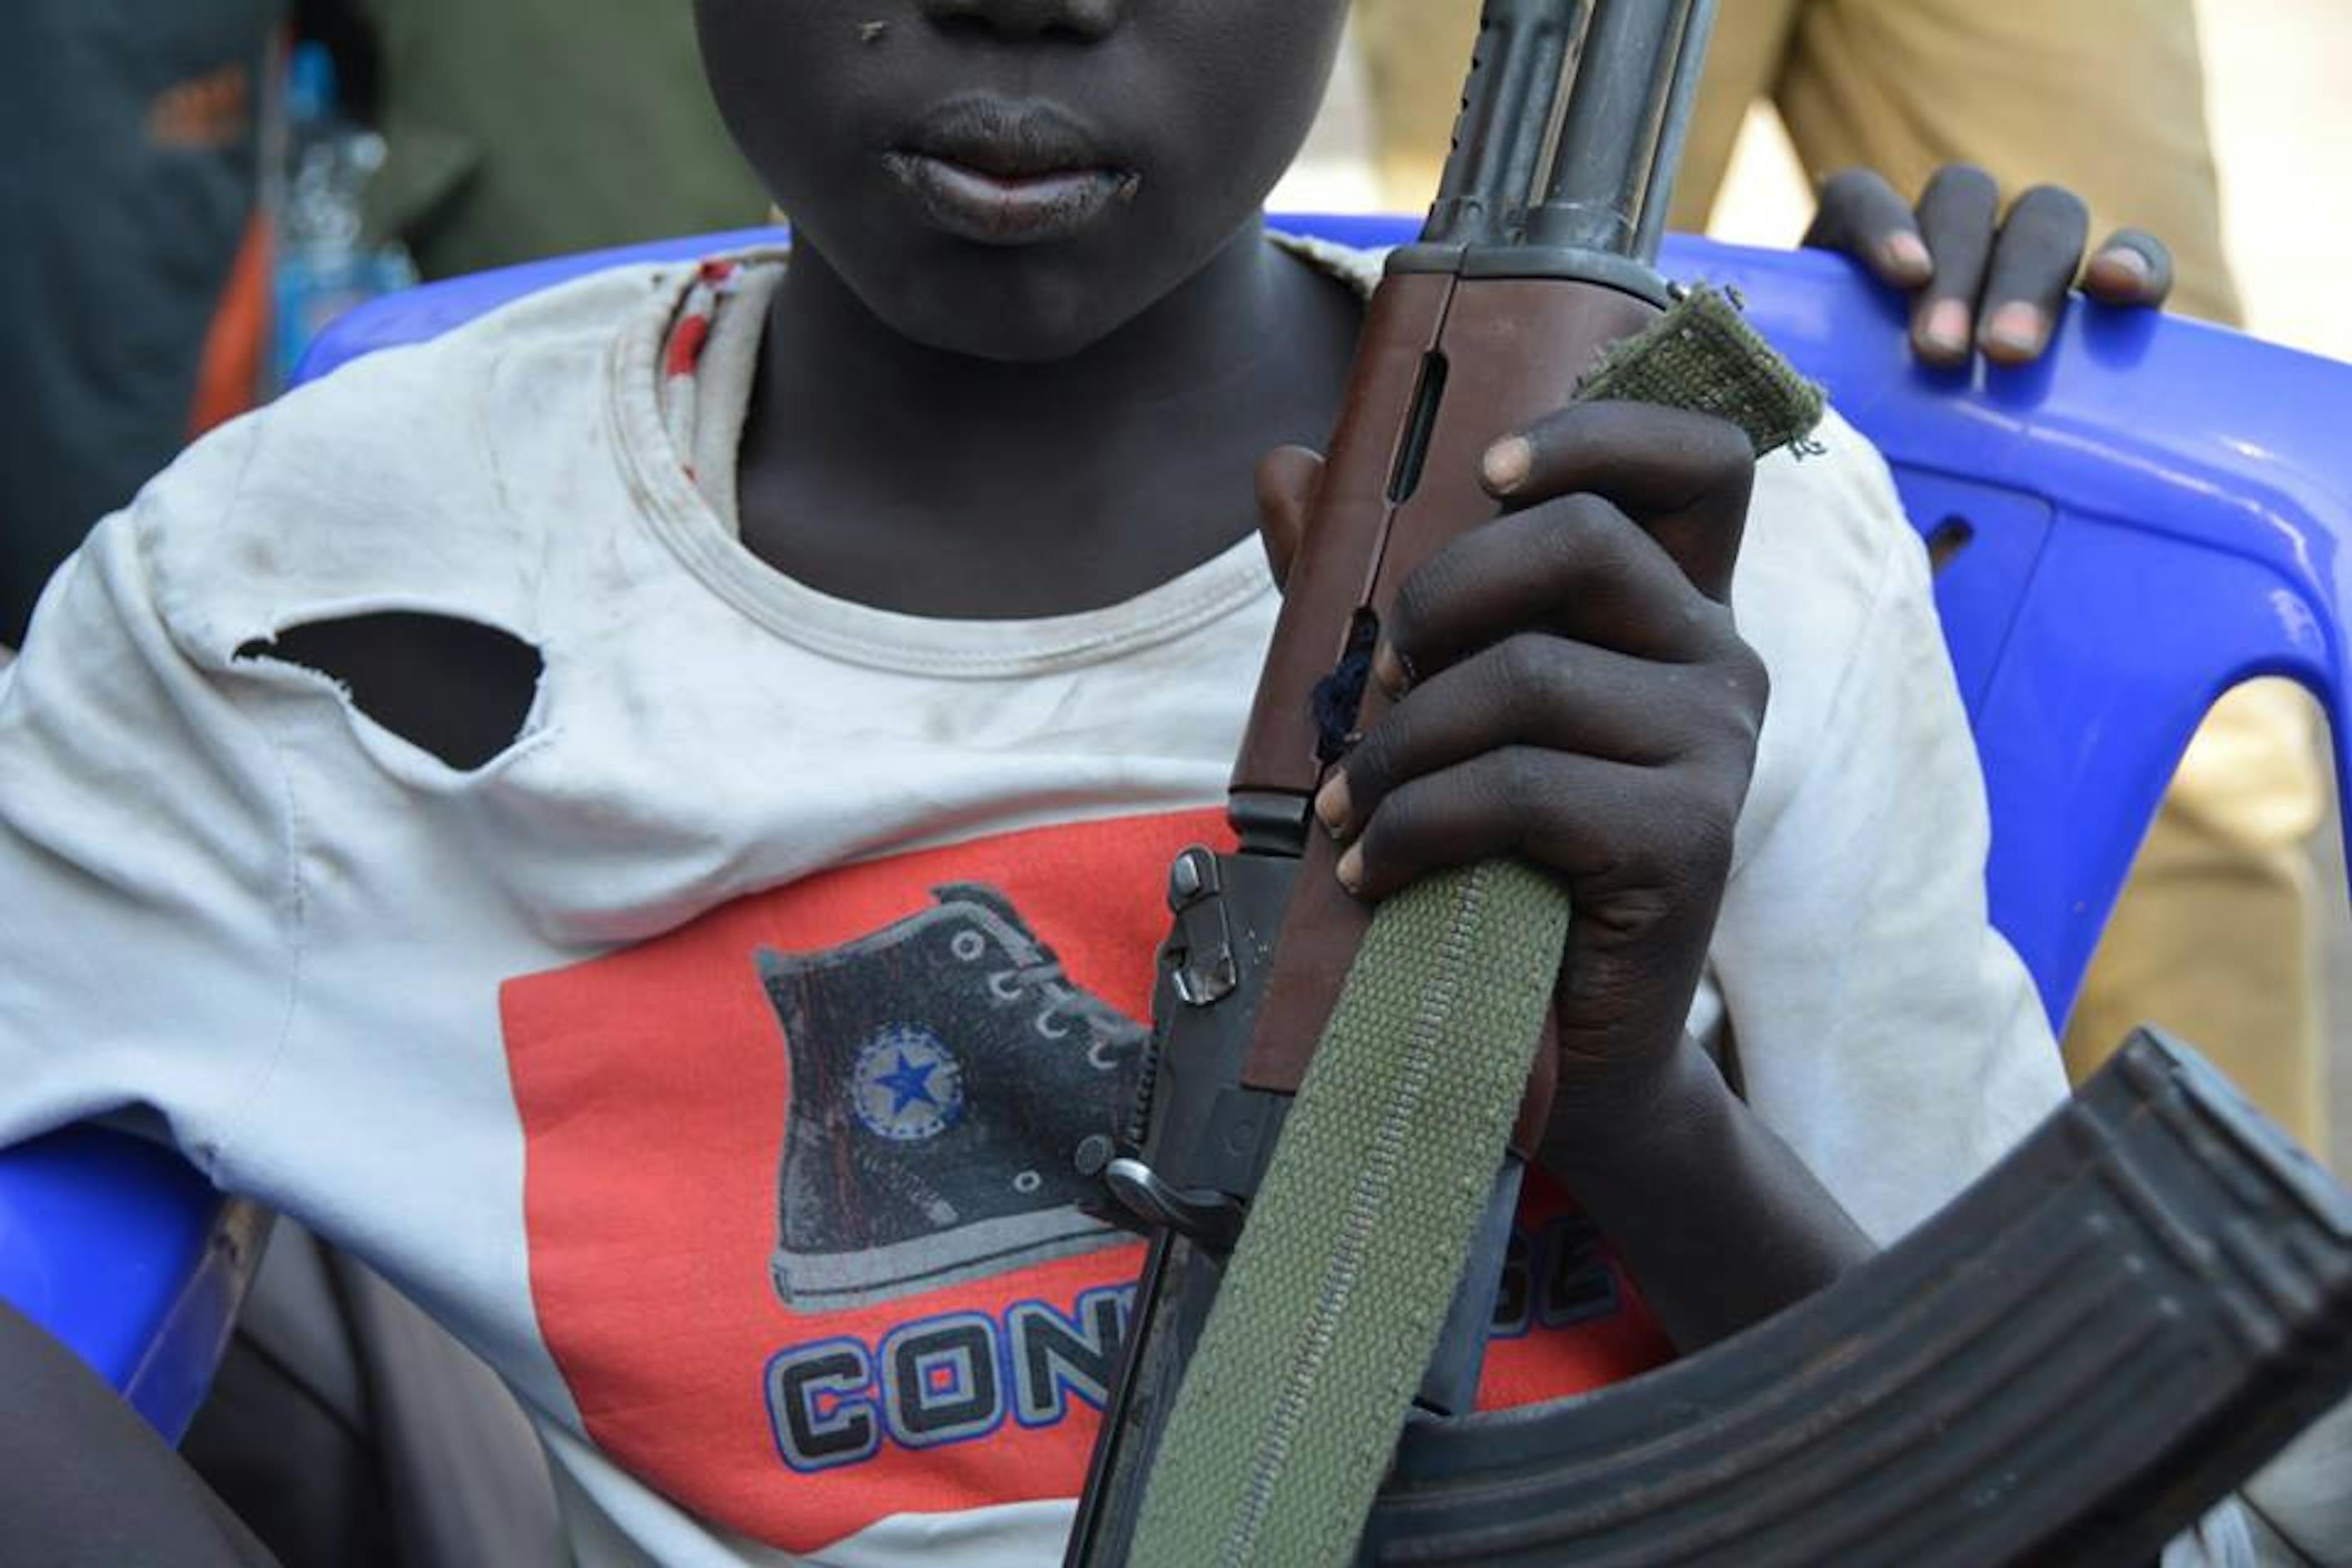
[2213, 937]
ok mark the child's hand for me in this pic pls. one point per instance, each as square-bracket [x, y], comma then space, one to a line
[1982, 279]
[1574, 692]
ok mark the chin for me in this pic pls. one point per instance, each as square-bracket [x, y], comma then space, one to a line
[1018, 312]
[1009, 338]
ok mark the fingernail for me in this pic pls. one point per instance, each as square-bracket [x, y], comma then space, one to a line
[1905, 254]
[2124, 268]
[1946, 331]
[1389, 669]
[1332, 806]
[1351, 869]
[1508, 464]
[2017, 329]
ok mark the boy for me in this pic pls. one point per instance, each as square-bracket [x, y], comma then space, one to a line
[656, 806]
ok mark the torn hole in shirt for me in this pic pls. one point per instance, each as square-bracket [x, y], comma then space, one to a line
[456, 688]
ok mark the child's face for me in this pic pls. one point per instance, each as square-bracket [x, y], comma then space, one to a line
[1018, 178]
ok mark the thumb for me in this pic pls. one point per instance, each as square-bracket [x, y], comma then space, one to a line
[1288, 480]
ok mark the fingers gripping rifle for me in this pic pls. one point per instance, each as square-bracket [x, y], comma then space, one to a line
[1944, 1403]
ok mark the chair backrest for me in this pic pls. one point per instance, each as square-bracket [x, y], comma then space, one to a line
[2155, 512]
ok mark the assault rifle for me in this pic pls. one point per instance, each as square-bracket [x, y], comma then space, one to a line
[2132, 1312]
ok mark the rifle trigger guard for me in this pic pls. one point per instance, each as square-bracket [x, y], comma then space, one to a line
[1208, 1217]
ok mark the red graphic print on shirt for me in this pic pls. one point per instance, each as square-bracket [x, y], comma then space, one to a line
[805, 1238]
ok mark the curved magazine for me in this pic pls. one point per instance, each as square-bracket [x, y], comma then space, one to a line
[2068, 1364]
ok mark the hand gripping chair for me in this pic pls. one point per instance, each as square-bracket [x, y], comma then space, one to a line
[2155, 512]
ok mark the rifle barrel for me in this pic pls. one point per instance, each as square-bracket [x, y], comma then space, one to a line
[1509, 108]
[1609, 171]
[1681, 103]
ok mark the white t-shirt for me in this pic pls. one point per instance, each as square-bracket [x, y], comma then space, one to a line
[668, 1057]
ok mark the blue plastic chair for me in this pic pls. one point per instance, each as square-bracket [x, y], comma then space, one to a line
[2155, 512]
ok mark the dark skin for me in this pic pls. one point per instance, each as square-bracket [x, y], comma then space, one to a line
[1096, 399]
[1122, 465]
[1985, 280]
[1033, 337]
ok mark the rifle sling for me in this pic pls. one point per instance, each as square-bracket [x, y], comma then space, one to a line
[1289, 1412]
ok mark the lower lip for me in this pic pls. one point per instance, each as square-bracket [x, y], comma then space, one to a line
[1028, 210]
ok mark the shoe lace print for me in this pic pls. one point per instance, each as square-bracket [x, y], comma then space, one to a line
[1063, 1008]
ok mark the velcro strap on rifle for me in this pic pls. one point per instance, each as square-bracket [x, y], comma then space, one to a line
[1289, 1411]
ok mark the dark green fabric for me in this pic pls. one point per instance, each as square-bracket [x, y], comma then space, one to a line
[1331, 1307]
[521, 129]
[1330, 1310]
[1704, 356]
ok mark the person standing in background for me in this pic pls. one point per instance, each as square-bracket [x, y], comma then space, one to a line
[2213, 936]
[135, 263]
[535, 128]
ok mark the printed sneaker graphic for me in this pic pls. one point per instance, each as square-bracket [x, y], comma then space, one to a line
[943, 1072]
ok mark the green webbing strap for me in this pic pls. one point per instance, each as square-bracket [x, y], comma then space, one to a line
[1330, 1309]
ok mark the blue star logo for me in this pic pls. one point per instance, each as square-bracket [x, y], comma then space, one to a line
[907, 1086]
[908, 1083]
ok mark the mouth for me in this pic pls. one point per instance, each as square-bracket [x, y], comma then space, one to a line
[1004, 174]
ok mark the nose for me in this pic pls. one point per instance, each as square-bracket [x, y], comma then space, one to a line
[1085, 20]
